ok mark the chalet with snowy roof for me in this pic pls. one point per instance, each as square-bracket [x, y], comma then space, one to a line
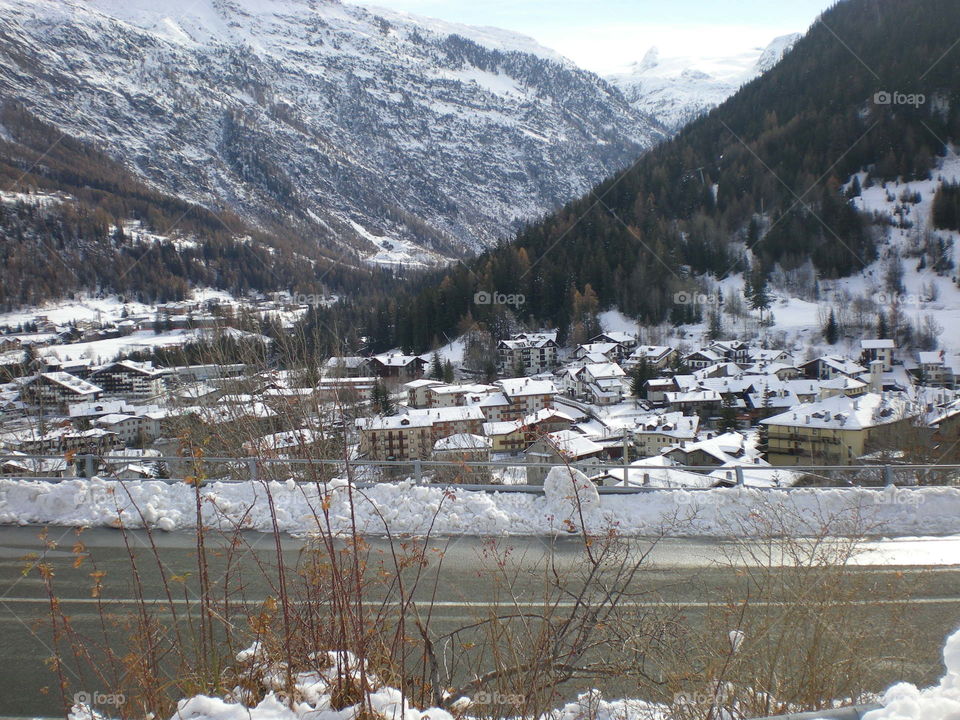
[700, 359]
[842, 385]
[396, 366]
[838, 430]
[657, 356]
[934, 368]
[559, 448]
[443, 395]
[463, 447]
[131, 429]
[734, 351]
[877, 349]
[710, 452]
[828, 367]
[699, 402]
[626, 342]
[766, 355]
[59, 389]
[130, 379]
[653, 433]
[517, 435]
[610, 352]
[346, 366]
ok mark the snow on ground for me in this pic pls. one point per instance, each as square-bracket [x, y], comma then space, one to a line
[904, 701]
[407, 508]
[391, 251]
[106, 350]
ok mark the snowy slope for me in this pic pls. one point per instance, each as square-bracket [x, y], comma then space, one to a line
[675, 90]
[323, 118]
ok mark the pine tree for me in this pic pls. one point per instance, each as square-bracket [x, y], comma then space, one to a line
[715, 329]
[883, 330]
[831, 331]
[448, 372]
[638, 378]
[728, 415]
[436, 367]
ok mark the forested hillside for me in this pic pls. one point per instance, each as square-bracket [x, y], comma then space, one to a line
[765, 170]
[62, 213]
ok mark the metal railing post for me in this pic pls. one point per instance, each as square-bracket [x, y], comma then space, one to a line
[888, 475]
[738, 470]
[254, 471]
[417, 471]
[88, 468]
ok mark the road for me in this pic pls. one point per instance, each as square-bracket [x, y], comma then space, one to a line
[686, 573]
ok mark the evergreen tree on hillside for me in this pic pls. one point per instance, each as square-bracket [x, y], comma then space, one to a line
[831, 331]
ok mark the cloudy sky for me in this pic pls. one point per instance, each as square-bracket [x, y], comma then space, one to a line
[605, 35]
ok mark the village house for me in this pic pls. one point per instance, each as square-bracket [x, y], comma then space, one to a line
[526, 396]
[933, 369]
[412, 435]
[879, 349]
[395, 366]
[835, 431]
[658, 357]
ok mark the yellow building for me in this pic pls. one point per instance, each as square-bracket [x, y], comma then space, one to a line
[838, 430]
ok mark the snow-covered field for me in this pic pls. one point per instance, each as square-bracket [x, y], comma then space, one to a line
[406, 508]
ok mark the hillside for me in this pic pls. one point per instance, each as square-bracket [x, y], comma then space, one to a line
[758, 185]
[396, 139]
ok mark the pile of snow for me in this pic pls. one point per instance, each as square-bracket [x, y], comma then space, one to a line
[407, 508]
[941, 702]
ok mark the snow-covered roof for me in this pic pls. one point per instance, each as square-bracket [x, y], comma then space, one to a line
[519, 387]
[842, 412]
[71, 383]
[877, 344]
[462, 442]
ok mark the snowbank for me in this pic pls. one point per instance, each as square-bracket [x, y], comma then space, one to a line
[940, 702]
[406, 508]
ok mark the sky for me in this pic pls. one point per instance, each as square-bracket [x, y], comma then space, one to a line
[606, 35]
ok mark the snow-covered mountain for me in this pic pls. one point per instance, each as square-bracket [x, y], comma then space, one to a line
[675, 90]
[329, 120]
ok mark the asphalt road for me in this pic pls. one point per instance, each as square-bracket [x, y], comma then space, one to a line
[684, 573]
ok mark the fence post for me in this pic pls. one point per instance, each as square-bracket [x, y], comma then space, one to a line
[418, 471]
[88, 468]
[888, 475]
[739, 472]
[626, 458]
[252, 466]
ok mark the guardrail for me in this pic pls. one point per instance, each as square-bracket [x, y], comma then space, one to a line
[853, 712]
[499, 476]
